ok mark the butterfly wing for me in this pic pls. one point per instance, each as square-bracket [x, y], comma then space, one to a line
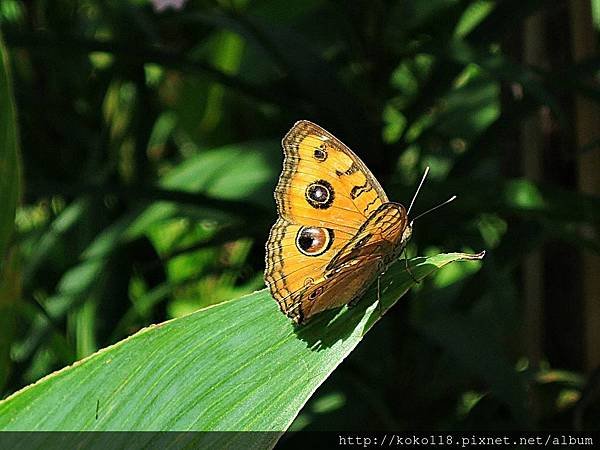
[324, 196]
[349, 192]
[290, 271]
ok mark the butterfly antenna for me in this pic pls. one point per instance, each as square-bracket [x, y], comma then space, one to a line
[418, 189]
[434, 208]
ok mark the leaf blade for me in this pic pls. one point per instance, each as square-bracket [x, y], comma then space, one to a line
[236, 366]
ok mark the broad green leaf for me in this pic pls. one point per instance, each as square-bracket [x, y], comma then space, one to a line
[239, 365]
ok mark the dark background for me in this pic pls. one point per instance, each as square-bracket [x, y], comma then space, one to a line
[150, 152]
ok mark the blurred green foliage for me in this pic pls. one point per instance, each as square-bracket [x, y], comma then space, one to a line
[150, 152]
[10, 184]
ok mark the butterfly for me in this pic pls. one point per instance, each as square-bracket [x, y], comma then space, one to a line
[336, 230]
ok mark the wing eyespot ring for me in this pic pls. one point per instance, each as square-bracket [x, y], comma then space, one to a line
[320, 153]
[314, 241]
[319, 194]
[314, 294]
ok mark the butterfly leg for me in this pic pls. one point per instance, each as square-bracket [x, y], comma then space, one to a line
[380, 271]
[408, 267]
[352, 303]
[379, 305]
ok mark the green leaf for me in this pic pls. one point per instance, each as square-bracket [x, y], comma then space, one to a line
[241, 172]
[239, 365]
[9, 160]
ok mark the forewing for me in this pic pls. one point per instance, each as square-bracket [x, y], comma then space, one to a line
[312, 154]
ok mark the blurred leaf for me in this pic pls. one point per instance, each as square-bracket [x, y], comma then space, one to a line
[474, 14]
[473, 346]
[240, 173]
[10, 293]
[239, 365]
[524, 198]
[506, 15]
[307, 77]
[77, 44]
[212, 178]
[503, 69]
[9, 155]
[9, 196]
[76, 284]
[469, 109]
[56, 231]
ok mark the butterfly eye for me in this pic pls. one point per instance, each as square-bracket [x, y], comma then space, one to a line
[313, 241]
[320, 194]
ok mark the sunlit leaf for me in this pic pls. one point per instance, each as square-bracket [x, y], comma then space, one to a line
[239, 365]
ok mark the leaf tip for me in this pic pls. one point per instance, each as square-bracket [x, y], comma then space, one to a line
[470, 256]
[479, 255]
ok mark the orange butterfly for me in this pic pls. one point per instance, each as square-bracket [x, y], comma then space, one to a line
[336, 232]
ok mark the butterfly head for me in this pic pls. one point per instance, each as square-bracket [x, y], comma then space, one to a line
[407, 233]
